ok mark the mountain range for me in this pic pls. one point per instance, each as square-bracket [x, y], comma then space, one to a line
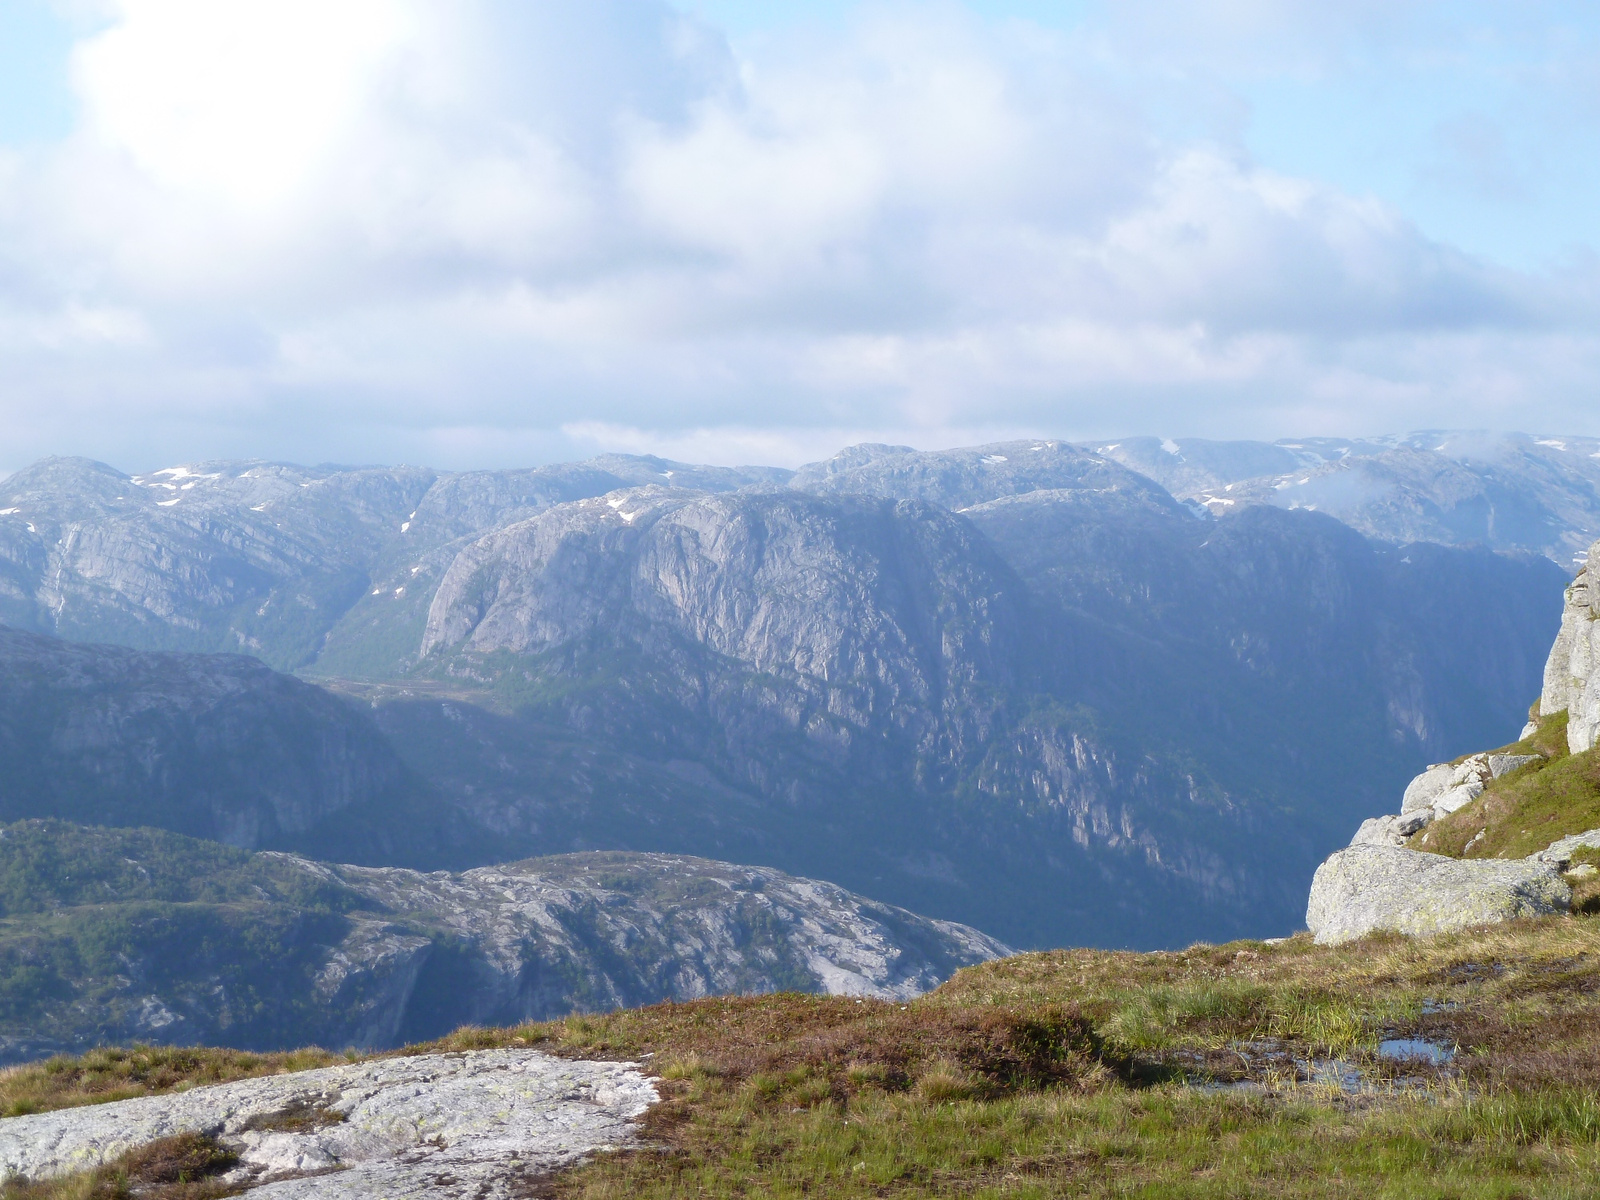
[1122, 694]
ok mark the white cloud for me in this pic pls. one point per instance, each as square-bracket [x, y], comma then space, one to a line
[392, 229]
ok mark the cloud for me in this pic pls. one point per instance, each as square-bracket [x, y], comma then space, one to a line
[477, 232]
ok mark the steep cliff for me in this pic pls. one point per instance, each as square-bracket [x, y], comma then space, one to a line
[262, 558]
[1072, 712]
[1572, 674]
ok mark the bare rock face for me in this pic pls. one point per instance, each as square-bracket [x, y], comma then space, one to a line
[1505, 491]
[1367, 888]
[483, 1124]
[674, 927]
[1559, 854]
[264, 558]
[1572, 676]
[1390, 830]
[830, 618]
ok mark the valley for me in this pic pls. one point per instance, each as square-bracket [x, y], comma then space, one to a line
[1018, 686]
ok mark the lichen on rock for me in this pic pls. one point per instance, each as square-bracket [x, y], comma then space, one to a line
[1367, 888]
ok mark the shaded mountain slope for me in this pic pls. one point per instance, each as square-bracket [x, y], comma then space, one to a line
[215, 746]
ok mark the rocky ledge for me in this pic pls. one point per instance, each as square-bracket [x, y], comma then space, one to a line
[482, 1124]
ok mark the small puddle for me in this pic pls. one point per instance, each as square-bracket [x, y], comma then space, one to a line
[1335, 1072]
[1218, 1088]
[1415, 1050]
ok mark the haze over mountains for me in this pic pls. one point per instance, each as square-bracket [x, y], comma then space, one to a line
[1024, 686]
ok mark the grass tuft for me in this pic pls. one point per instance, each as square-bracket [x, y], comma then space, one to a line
[112, 1073]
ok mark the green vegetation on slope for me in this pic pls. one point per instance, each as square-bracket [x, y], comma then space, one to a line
[1073, 1073]
[93, 921]
[1528, 809]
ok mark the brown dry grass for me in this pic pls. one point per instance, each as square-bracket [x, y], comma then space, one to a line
[175, 1168]
[847, 1043]
[114, 1073]
[1065, 1074]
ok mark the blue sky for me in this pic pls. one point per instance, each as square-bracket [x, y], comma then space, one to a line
[488, 232]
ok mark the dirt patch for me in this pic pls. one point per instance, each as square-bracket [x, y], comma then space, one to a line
[300, 1116]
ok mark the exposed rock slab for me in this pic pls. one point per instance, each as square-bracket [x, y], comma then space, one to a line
[394, 956]
[1390, 830]
[1559, 854]
[1368, 888]
[477, 1124]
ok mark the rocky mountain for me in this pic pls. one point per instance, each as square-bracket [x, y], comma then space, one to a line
[1085, 693]
[120, 935]
[1504, 491]
[959, 479]
[1018, 685]
[260, 558]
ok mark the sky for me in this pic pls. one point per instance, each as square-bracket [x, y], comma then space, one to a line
[481, 233]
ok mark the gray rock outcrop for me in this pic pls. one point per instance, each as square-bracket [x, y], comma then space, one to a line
[676, 927]
[1368, 888]
[483, 1124]
[1445, 787]
[1572, 675]
[1559, 854]
[1391, 830]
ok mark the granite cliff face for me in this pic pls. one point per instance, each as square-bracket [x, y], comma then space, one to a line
[116, 935]
[858, 629]
[1572, 674]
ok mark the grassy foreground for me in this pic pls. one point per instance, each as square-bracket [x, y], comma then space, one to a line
[1075, 1073]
